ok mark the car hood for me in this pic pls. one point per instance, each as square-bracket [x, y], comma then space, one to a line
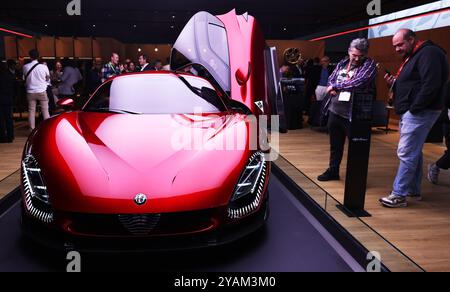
[98, 162]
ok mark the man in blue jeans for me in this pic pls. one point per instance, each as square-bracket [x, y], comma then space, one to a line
[419, 92]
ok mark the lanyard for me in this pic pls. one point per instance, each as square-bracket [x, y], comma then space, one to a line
[418, 45]
[349, 67]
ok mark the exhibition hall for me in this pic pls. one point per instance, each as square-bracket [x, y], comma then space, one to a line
[236, 140]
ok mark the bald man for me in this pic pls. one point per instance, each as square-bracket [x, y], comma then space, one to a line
[419, 93]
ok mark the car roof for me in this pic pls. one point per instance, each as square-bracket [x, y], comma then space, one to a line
[162, 72]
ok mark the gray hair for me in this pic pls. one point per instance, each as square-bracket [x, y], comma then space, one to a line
[360, 44]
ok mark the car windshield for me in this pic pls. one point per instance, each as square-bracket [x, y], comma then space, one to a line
[156, 94]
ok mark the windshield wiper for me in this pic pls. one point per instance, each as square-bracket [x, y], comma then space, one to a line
[203, 93]
[195, 90]
[116, 111]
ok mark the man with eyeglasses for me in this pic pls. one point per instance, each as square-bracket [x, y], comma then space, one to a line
[355, 73]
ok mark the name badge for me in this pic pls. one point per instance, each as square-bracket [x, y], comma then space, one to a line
[345, 96]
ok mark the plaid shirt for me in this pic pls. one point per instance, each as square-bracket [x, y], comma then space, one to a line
[109, 70]
[365, 74]
[362, 85]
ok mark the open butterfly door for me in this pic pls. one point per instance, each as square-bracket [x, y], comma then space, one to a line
[228, 50]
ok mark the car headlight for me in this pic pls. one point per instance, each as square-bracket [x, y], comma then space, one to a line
[36, 197]
[248, 193]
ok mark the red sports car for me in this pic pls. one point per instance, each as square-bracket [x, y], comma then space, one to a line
[158, 160]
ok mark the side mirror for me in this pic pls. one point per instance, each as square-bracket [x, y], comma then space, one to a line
[66, 103]
[243, 76]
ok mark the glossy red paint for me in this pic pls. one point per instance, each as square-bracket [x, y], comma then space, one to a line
[246, 46]
[97, 162]
[65, 102]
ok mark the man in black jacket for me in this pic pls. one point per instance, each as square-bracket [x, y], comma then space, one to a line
[144, 63]
[444, 162]
[419, 92]
[7, 88]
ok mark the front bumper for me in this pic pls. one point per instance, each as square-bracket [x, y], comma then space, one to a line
[223, 235]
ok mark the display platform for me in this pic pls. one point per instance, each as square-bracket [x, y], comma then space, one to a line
[284, 240]
[292, 241]
[305, 232]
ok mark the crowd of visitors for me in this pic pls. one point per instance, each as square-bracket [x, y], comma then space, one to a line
[421, 95]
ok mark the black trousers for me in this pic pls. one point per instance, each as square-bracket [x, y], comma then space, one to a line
[339, 129]
[6, 123]
[444, 161]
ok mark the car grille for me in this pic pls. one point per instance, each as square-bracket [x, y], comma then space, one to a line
[142, 224]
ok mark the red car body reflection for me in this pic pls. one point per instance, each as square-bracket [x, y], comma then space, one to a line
[104, 160]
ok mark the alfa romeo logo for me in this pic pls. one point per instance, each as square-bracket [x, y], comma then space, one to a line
[140, 199]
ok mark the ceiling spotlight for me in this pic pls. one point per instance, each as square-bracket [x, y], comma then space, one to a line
[156, 49]
[139, 50]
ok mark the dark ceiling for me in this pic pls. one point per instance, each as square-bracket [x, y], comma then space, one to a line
[160, 21]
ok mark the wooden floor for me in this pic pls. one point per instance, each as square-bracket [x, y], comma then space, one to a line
[421, 231]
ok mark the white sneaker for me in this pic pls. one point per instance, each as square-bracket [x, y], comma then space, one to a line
[394, 201]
